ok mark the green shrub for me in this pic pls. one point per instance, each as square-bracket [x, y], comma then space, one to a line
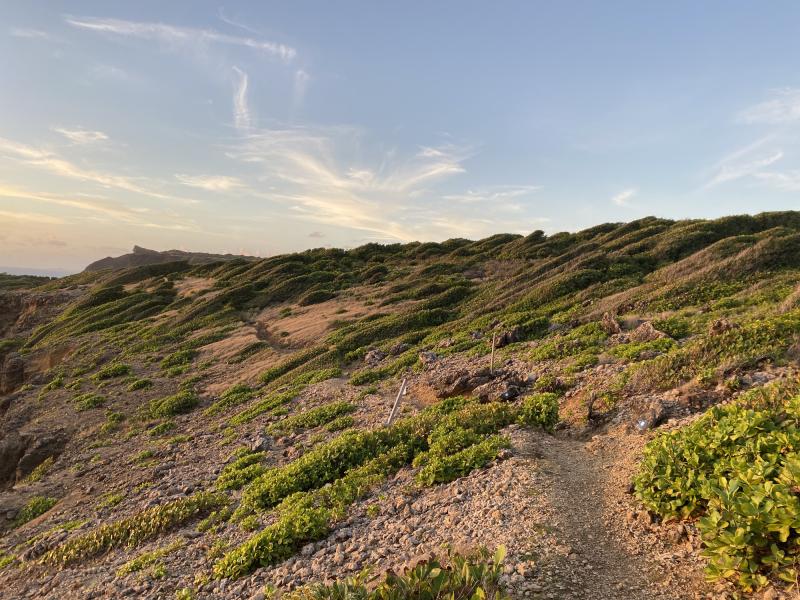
[340, 423]
[539, 410]
[634, 350]
[111, 371]
[36, 506]
[162, 428]
[180, 358]
[306, 516]
[738, 469]
[88, 401]
[148, 559]
[241, 471]
[233, 396]
[40, 471]
[133, 530]
[182, 402]
[441, 468]
[471, 577]
[267, 404]
[312, 418]
[139, 384]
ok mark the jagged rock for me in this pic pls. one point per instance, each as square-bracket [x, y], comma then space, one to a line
[12, 449]
[720, 326]
[399, 348]
[609, 324]
[508, 337]
[261, 443]
[511, 392]
[428, 358]
[374, 356]
[653, 415]
[12, 373]
[40, 449]
[646, 333]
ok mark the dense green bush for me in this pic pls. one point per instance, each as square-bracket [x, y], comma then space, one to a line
[266, 404]
[539, 410]
[88, 401]
[111, 371]
[738, 469]
[182, 402]
[248, 466]
[179, 358]
[312, 418]
[36, 506]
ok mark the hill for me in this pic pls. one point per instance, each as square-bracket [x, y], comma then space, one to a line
[617, 407]
[141, 257]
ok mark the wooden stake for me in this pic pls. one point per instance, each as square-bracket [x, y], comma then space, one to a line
[396, 403]
[491, 366]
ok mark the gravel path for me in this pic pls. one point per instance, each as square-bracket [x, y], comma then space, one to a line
[583, 495]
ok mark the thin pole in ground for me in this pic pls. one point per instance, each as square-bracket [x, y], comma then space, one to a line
[491, 365]
[396, 405]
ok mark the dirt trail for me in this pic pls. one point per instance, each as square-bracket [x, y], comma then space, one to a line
[582, 493]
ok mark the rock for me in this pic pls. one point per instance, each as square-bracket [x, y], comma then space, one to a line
[399, 348]
[428, 358]
[261, 443]
[508, 337]
[12, 448]
[511, 392]
[646, 333]
[12, 373]
[609, 324]
[652, 416]
[720, 326]
[374, 357]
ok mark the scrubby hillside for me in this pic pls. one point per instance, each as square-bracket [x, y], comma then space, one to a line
[220, 430]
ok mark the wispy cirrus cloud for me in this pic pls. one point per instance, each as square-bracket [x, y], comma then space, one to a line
[31, 217]
[100, 209]
[624, 197]
[501, 194]
[211, 183]
[82, 136]
[48, 160]
[316, 173]
[179, 36]
[241, 107]
[30, 34]
[742, 164]
[782, 107]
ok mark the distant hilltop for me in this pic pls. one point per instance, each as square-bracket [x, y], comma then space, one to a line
[142, 256]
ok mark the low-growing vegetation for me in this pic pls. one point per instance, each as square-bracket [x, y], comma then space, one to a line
[737, 470]
[135, 529]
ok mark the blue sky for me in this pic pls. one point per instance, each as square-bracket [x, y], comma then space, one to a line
[265, 127]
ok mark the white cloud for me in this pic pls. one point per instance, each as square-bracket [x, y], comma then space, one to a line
[82, 136]
[733, 169]
[316, 173]
[177, 36]
[55, 164]
[31, 34]
[501, 194]
[32, 217]
[211, 183]
[301, 80]
[241, 108]
[622, 199]
[101, 209]
[788, 181]
[782, 107]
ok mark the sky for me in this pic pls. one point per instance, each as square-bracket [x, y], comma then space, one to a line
[266, 127]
